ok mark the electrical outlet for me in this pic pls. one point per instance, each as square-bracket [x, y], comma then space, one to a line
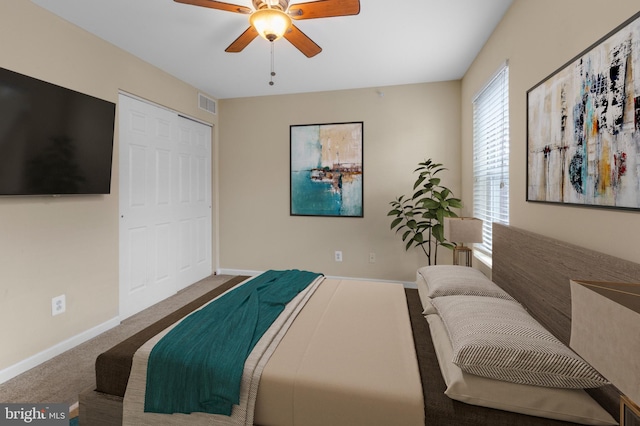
[338, 256]
[372, 258]
[58, 305]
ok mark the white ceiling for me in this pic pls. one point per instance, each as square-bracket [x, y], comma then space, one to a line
[388, 43]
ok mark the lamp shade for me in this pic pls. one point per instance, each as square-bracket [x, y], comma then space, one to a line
[271, 24]
[463, 229]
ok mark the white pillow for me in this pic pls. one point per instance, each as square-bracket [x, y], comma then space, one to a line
[570, 405]
[498, 339]
[452, 280]
[424, 298]
[428, 306]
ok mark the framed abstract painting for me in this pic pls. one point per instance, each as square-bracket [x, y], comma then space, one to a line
[583, 126]
[326, 169]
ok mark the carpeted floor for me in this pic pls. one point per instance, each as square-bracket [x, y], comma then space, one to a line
[62, 378]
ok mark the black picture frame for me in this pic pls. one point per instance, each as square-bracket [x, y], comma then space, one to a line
[583, 126]
[326, 169]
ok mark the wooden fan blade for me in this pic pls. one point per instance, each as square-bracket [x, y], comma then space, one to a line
[212, 4]
[303, 43]
[324, 9]
[243, 41]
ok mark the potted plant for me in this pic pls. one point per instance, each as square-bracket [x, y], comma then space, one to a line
[421, 216]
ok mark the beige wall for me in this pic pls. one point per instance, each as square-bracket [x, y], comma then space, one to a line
[404, 126]
[537, 37]
[51, 246]
[67, 245]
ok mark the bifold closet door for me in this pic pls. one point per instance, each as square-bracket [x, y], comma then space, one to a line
[165, 203]
[192, 212]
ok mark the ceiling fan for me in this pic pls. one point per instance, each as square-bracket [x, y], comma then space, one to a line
[272, 19]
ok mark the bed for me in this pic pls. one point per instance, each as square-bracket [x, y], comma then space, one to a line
[547, 297]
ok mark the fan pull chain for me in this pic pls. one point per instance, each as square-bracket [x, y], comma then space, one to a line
[273, 73]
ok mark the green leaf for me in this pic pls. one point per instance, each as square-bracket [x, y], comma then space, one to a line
[438, 232]
[418, 238]
[455, 203]
[428, 203]
[419, 193]
[400, 228]
[405, 235]
[418, 182]
[424, 165]
[396, 222]
[395, 212]
[430, 214]
[411, 224]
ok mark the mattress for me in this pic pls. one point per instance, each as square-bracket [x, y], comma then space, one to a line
[348, 358]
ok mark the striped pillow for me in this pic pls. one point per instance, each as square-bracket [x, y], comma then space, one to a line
[498, 339]
[450, 280]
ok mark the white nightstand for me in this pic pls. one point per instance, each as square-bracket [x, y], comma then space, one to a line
[605, 325]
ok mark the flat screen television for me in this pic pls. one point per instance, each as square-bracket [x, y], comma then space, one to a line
[53, 140]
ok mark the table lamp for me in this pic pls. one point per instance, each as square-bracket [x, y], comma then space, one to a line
[461, 230]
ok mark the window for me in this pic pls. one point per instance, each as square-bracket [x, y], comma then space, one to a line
[491, 155]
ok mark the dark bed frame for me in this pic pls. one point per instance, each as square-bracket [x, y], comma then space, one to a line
[534, 269]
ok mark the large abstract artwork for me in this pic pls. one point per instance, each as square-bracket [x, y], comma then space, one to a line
[583, 126]
[326, 169]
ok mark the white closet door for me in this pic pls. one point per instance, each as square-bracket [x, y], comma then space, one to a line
[193, 202]
[158, 233]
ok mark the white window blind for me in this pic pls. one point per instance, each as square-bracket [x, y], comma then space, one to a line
[491, 155]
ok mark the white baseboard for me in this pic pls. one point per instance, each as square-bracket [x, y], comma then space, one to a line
[238, 272]
[410, 285]
[37, 359]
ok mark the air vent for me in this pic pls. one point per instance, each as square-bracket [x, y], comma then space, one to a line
[207, 104]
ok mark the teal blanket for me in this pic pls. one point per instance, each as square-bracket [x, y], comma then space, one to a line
[197, 366]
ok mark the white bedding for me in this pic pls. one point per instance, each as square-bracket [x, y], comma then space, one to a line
[347, 359]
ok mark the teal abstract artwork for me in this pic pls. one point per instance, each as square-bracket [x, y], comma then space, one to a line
[326, 169]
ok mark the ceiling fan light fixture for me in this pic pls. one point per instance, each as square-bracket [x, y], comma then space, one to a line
[270, 23]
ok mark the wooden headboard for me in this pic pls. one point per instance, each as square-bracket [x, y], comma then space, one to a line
[536, 271]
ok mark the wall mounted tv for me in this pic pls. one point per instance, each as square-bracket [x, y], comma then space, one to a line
[53, 140]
